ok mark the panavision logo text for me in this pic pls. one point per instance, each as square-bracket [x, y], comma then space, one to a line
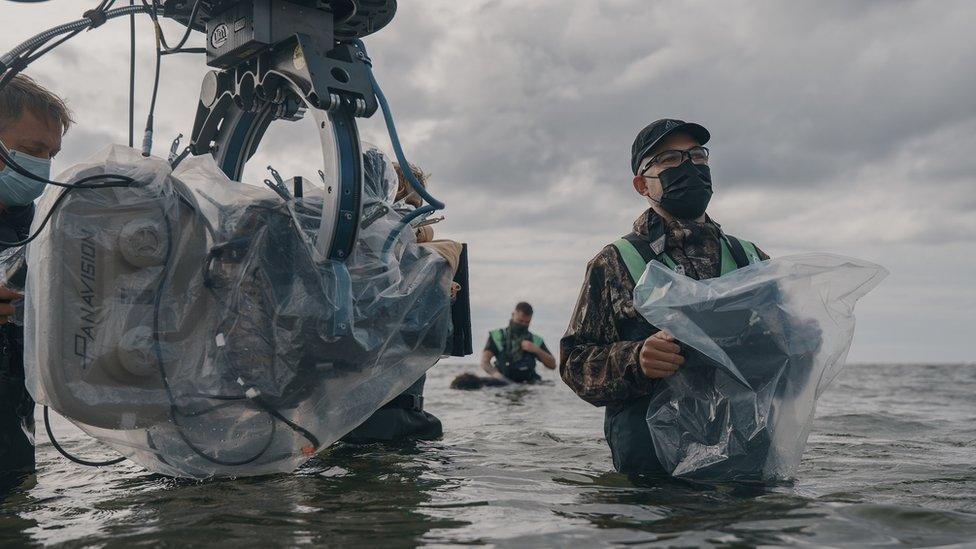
[85, 335]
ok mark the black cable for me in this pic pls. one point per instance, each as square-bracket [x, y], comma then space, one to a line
[18, 64]
[150, 119]
[219, 397]
[132, 77]
[308, 435]
[105, 5]
[186, 33]
[155, 92]
[225, 402]
[34, 56]
[54, 207]
[83, 183]
[185, 50]
[8, 73]
[63, 452]
[189, 444]
[124, 181]
[43, 224]
[102, 8]
[275, 413]
[26, 59]
[157, 350]
[27, 56]
[294, 426]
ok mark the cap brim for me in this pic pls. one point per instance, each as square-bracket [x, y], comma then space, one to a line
[695, 130]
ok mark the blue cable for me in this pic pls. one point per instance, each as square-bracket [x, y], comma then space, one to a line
[432, 203]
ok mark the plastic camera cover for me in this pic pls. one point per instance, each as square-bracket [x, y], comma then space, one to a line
[186, 322]
[761, 345]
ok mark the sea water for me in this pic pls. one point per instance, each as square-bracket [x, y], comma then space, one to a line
[891, 461]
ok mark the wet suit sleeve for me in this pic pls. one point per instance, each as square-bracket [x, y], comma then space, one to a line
[594, 361]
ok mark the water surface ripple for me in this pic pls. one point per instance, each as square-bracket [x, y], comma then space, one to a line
[891, 462]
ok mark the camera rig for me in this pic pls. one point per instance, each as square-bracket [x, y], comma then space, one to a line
[272, 60]
[275, 60]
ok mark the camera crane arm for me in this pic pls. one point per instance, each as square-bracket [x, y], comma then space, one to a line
[275, 60]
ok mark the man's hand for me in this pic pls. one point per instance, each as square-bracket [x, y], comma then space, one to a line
[659, 356]
[6, 309]
[547, 359]
[530, 347]
[488, 367]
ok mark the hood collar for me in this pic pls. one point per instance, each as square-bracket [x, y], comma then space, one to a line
[651, 227]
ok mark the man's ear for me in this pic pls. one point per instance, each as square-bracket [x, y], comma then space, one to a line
[640, 185]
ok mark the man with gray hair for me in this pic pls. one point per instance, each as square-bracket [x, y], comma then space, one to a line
[32, 122]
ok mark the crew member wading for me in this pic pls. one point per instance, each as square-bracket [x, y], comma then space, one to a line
[610, 355]
[515, 349]
[32, 122]
[404, 417]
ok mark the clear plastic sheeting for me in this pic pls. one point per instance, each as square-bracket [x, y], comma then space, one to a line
[380, 179]
[761, 345]
[188, 323]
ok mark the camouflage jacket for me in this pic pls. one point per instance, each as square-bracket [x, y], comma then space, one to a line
[599, 352]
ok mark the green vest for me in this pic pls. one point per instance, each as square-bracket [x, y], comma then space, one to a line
[514, 363]
[636, 265]
[498, 336]
[625, 423]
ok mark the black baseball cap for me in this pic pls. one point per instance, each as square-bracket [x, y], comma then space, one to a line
[658, 130]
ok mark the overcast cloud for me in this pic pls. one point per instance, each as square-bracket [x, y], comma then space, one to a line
[847, 127]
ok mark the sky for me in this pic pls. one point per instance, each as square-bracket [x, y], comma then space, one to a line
[837, 126]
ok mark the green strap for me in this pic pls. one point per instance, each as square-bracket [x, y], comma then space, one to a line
[669, 262]
[632, 258]
[751, 251]
[635, 261]
[498, 337]
[728, 262]
[636, 265]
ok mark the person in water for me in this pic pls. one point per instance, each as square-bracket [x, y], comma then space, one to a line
[610, 355]
[403, 418]
[516, 350]
[32, 123]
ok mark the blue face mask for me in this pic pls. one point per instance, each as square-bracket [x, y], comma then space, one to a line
[20, 190]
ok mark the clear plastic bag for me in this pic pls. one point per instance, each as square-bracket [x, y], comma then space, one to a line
[761, 345]
[187, 322]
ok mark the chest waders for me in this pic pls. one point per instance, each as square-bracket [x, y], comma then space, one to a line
[512, 362]
[625, 423]
[403, 418]
[16, 404]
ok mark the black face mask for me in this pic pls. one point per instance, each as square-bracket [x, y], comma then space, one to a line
[517, 329]
[687, 189]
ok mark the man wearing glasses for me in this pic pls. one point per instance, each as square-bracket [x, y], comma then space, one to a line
[610, 355]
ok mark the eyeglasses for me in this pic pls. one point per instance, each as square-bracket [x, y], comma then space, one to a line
[670, 159]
